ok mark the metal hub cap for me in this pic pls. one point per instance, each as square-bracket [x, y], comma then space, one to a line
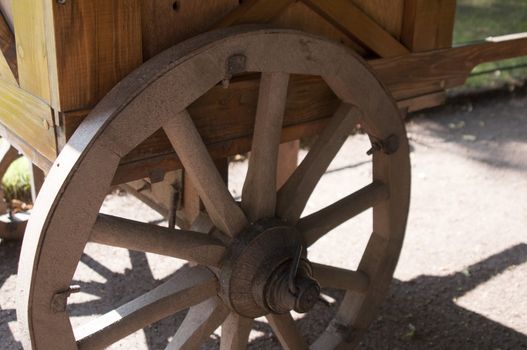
[266, 271]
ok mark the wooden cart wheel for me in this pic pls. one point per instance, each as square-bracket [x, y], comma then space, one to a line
[254, 262]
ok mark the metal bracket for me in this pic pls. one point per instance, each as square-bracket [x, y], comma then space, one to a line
[60, 299]
[388, 146]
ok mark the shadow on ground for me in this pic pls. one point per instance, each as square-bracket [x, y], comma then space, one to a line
[420, 313]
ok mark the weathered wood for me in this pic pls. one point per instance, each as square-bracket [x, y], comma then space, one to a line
[388, 14]
[253, 11]
[36, 179]
[185, 289]
[285, 329]
[349, 18]
[428, 24]
[8, 60]
[129, 171]
[193, 246]
[30, 119]
[259, 188]
[316, 225]
[293, 196]
[189, 146]
[200, 322]
[168, 22]
[8, 155]
[287, 161]
[334, 277]
[419, 73]
[99, 41]
[6, 8]
[235, 332]
[34, 55]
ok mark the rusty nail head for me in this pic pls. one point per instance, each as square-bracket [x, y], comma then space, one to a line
[236, 64]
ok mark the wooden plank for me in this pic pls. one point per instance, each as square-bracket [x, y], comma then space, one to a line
[8, 61]
[31, 120]
[168, 22]
[164, 162]
[428, 24]
[299, 16]
[353, 21]
[96, 43]
[388, 14]
[254, 11]
[32, 47]
[426, 72]
[419, 103]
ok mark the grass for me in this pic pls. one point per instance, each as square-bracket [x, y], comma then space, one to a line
[479, 19]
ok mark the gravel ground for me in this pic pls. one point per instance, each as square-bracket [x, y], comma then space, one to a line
[461, 282]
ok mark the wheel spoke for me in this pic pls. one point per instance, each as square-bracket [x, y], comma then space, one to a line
[191, 150]
[259, 189]
[189, 245]
[200, 322]
[316, 225]
[286, 331]
[185, 289]
[334, 277]
[235, 332]
[293, 196]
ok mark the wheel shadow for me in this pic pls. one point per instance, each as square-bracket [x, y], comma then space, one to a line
[418, 314]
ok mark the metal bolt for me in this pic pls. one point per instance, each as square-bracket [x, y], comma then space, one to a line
[388, 146]
[61, 2]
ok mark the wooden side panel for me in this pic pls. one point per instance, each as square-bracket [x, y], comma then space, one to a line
[30, 120]
[388, 14]
[428, 24]
[29, 24]
[97, 43]
[167, 22]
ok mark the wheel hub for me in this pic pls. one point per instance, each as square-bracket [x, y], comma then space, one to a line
[266, 271]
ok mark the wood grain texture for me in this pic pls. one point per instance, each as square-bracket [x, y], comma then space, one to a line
[221, 207]
[188, 245]
[352, 20]
[388, 14]
[428, 24]
[168, 22]
[200, 322]
[253, 11]
[286, 331]
[30, 119]
[32, 47]
[259, 188]
[8, 59]
[235, 332]
[6, 8]
[97, 43]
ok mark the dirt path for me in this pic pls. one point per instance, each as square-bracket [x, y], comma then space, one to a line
[462, 279]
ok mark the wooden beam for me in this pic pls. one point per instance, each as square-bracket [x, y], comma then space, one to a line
[254, 11]
[349, 18]
[8, 61]
[31, 120]
[425, 72]
[428, 24]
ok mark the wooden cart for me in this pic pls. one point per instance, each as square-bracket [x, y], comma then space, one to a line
[100, 93]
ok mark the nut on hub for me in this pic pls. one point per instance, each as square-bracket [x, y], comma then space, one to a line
[256, 275]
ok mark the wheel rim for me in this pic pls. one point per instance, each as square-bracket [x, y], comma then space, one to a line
[156, 96]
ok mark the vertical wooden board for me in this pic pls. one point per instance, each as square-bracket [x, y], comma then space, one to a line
[388, 14]
[300, 17]
[168, 22]
[97, 43]
[428, 24]
[8, 63]
[31, 47]
[6, 7]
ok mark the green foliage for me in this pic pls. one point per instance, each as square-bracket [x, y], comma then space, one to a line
[480, 19]
[16, 182]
